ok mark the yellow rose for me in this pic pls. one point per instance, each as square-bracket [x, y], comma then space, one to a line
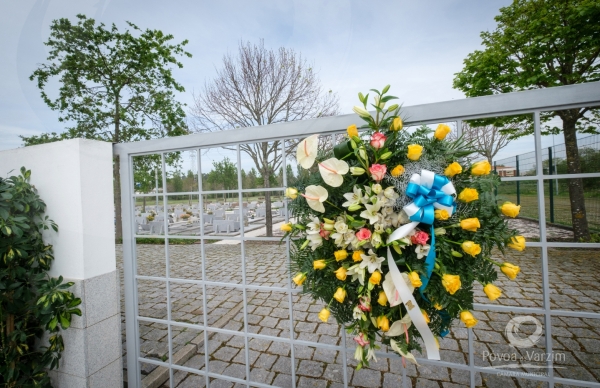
[470, 224]
[441, 131]
[453, 169]
[340, 273]
[375, 278]
[382, 300]
[510, 209]
[324, 315]
[481, 168]
[291, 192]
[468, 318]
[340, 255]
[426, 316]
[352, 131]
[414, 152]
[415, 279]
[441, 214]
[396, 124]
[471, 248]
[319, 264]
[510, 270]
[397, 171]
[468, 195]
[518, 243]
[356, 255]
[340, 295]
[383, 323]
[492, 291]
[286, 227]
[438, 306]
[451, 283]
[299, 278]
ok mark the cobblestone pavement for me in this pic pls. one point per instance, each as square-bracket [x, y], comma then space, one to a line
[574, 277]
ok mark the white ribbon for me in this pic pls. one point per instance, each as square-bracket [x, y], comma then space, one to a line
[433, 353]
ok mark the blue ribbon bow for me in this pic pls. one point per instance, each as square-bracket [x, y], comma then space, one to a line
[424, 198]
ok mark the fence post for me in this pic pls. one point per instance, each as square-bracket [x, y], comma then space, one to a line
[496, 172]
[518, 182]
[551, 185]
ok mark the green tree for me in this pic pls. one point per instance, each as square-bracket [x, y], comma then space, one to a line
[223, 175]
[115, 86]
[541, 44]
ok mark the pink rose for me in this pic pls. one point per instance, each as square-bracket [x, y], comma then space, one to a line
[360, 339]
[364, 303]
[378, 171]
[420, 238]
[363, 234]
[378, 140]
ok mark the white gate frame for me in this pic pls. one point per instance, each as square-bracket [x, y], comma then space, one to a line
[532, 102]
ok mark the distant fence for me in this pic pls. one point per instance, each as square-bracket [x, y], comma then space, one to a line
[556, 192]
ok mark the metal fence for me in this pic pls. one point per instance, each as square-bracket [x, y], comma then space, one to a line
[161, 279]
[556, 195]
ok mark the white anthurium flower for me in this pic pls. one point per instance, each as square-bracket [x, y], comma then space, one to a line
[422, 250]
[371, 261]
[389, 288]
[357, 272]
[332, 171]
[341, 227]
[315, 196]
[371, 213]
[408, 356]
[398, 327]
[371, 354]
[307, 151]
[353, 198]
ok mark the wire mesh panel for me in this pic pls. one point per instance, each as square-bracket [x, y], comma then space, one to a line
[209, 300]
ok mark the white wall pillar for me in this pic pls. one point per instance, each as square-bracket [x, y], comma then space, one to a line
[74, 178]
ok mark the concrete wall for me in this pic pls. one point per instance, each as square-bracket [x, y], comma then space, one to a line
[74, 178]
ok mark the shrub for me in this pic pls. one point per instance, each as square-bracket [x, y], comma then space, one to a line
[32, 303]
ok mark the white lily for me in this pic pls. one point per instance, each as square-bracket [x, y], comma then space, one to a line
[361, 111]
[314, 226]
[357, 314]
[371, 354]
[315, 196]
[358, 353]
[371, 213]
[315, 240]
[390, 289]
[422, 250]
[307, 151]
[371, 261]
[357, 272]
[353, 198]
[332, 170]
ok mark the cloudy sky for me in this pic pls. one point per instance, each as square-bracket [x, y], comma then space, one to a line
[416, 46]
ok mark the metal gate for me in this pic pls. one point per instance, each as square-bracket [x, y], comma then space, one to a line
[193, 316]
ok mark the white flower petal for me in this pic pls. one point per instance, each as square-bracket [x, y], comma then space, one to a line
[307, 151]
[332, 170]
[408, 356]
[397, 327]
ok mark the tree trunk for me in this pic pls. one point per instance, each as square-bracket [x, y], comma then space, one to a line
[117, 192]
[581, 231]
[268, 213]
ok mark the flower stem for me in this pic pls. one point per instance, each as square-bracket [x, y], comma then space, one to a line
[334, 206]
[493, 262]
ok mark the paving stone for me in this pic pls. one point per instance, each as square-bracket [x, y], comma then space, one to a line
[225, 353]
[193, 381]
[261, 375]
[367, 378]
[307, 382]
[424, 383]
[235, 370]
[310, 368]
[283, 380]
[433, 372]
[391, 380]
[334, 372]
